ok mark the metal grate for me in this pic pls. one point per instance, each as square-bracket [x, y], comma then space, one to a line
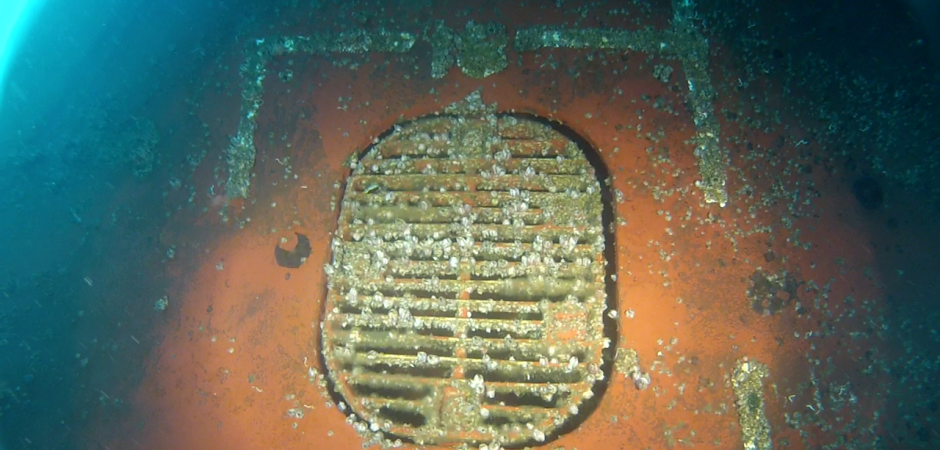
[466, 294]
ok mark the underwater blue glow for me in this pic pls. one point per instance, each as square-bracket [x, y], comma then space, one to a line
[15, 19]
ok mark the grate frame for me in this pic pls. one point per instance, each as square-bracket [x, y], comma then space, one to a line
[467, 294]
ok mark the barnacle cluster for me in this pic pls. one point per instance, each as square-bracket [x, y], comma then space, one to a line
[747, 383]
[479, 50]
[240, 154]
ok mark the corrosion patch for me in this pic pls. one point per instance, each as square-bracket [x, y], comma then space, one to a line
[467, 290]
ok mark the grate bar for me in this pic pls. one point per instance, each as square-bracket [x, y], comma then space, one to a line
[443, 183]
[511, 165]
[417, 305]
[446, 215]
[530, 329]
[506, 371]
[487, 233]
[446, 345]
[492, 251]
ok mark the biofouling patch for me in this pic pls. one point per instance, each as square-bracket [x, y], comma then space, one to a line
[467, 289]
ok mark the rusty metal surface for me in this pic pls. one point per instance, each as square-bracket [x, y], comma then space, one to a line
[467, 288]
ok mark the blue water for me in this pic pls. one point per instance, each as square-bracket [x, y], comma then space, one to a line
[80, 82]
[16, 17]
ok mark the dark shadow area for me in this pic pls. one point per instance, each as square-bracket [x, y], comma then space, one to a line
[295, 257]
[868, 191]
